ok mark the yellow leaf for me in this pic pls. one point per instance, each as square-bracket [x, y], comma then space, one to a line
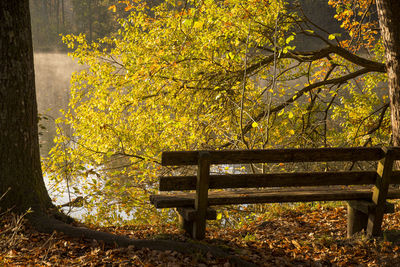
[198, 25]
[113, 8]
[254, 124]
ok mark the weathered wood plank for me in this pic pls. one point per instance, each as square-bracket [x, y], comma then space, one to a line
[172, 201]
[275, 155]
[201, 200]
[395, 177]
[396, 152]
[178, 183]
[366, 206]
[270, 196]
[380, 191]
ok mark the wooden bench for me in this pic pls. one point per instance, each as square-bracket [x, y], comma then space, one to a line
[365, 191]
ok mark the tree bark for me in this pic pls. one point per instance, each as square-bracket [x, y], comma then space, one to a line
[21, 177]
[389, 20]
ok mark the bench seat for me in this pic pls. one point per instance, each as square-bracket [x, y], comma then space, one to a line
[304, 194]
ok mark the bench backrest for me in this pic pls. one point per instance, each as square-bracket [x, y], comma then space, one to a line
[179, 158]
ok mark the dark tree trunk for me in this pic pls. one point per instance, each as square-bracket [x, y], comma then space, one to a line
[20, 169]
[389, 20]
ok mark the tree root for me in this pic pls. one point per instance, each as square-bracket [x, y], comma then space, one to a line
[46, 224]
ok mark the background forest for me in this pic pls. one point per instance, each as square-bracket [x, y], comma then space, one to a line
[186, 75]
[50, 18]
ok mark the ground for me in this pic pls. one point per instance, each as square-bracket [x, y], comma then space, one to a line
[304, 236]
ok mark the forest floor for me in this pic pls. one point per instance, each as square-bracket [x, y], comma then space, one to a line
[294, 237]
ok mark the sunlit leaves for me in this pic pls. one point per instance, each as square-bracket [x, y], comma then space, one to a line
[179, 77]
[167, 80]
[357, 18]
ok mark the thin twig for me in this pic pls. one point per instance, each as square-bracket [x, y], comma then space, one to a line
[244, 88]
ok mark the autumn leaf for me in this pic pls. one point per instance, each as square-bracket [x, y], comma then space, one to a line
[113, 8]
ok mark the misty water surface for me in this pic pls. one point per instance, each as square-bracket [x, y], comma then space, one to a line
[52, 75]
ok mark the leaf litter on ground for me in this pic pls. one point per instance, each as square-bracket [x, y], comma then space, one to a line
[293, 238]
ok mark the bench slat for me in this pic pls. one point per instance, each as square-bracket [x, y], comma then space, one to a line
[275, 155]
[270, 196]
[171, 183]
[178, 183]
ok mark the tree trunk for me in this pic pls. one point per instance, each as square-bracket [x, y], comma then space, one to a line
[389, 20]
[21, 177]
[62, 16]
[58, 15]
[90, 21]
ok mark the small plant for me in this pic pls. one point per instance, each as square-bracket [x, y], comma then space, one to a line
[1, 197]
[249, 237]
[326, 240]
[11, 228]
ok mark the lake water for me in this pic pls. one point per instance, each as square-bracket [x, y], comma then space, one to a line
[52, 76]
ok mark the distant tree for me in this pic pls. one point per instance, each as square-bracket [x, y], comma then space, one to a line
[48, 21]
[50, 18]
[93, 18]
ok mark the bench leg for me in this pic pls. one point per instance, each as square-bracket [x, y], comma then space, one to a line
[187, 218]
[199, 229]
[379, 193]
[186, 225]
[201, 200]
[359, 212]
[194, 227]
[357, 220]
